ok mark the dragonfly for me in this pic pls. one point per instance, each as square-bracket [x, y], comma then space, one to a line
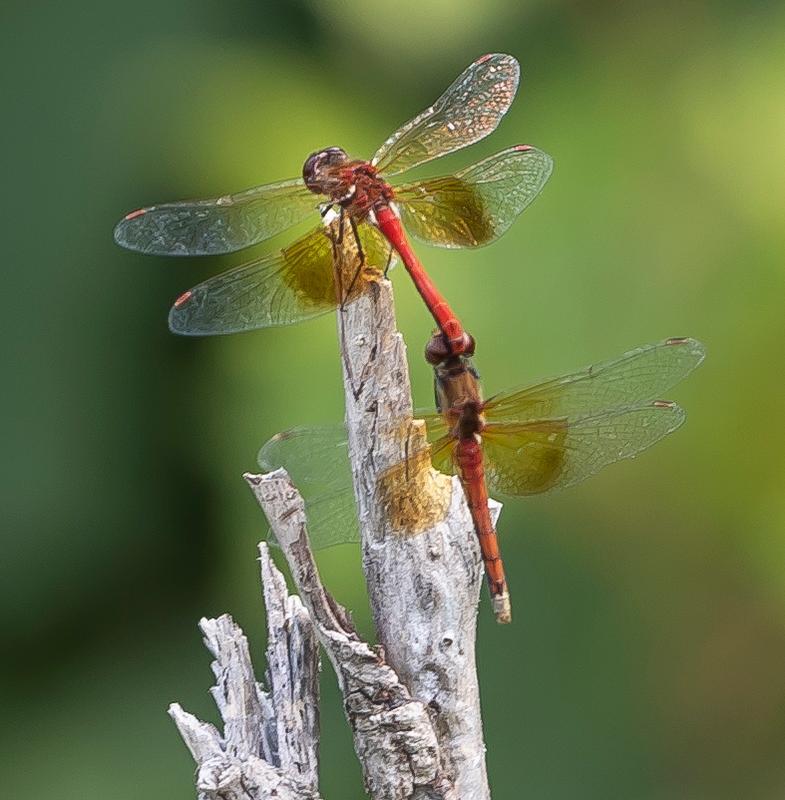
[459, 401]
[525, 441]
[470, 208]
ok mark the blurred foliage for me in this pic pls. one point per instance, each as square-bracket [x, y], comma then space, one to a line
[648, 649]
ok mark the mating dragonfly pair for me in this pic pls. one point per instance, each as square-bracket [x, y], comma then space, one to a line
[521, 442]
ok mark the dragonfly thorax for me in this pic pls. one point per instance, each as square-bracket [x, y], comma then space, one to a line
[366, 189]
[355, 185]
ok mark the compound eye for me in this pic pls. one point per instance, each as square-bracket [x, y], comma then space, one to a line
[333, 156]
[315, 164]
[310, 171]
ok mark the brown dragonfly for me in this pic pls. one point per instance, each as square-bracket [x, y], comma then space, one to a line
[526, 441]
[469, 208]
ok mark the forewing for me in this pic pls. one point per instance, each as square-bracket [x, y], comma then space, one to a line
[477, 205]
[468, 111]
[317, 460]
[641, 375]
[537, 456]
[218, 225]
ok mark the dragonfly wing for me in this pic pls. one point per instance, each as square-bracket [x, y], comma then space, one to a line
[318, 462]
[218, 225]
[442, 455]
[316, 457]
[477, 205]
[540, 455]
[468, 111]
[294, 284]
[439, 438]
[331, 519]
[641, 375]
[435, 424]
[377, 250]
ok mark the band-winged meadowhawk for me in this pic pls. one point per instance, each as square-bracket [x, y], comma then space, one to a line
[469, 208]
[526, 441]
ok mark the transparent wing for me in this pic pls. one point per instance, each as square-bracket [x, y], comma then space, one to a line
[436, 425]
[290, 286]
[218, 225]
[332, 520]
[317, 457]
[540, 455]
[477, 205]
[440, 439]
[294, 284]
[317, 460]
[640, 375]
[468, 111]
[442, 452]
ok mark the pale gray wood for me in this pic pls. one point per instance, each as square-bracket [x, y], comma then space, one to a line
[269, 745]
[394, 735]
[292, 675]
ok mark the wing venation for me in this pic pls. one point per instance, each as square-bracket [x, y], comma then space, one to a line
[478, 204]
[468, 111]
[216, 225]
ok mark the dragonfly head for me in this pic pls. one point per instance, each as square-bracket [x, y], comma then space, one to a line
[319, 171]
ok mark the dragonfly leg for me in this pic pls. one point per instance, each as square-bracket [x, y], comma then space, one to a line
[341, 222]
[356, 234]
[360, 255]
[336, 238]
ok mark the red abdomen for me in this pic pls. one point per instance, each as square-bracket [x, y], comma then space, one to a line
[440, 309]
[468, 456]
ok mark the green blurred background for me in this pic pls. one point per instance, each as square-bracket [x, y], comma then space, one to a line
[647, 655]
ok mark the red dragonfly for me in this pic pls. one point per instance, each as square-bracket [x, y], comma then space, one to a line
[461, 406]
[526, 441]
[467, 209]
